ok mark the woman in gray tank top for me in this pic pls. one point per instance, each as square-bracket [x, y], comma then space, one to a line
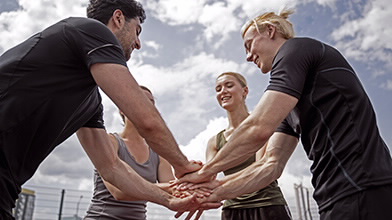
[133, 150]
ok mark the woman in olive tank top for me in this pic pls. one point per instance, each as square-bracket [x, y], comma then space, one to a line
[266, 204]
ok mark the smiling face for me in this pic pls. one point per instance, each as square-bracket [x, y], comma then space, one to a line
[259, 48]
[229, 92]
[129, 36]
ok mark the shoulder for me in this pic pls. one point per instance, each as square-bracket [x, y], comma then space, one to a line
[300, 51]
[212, 142]
[89, 27]
[85, 23]
[299, 45]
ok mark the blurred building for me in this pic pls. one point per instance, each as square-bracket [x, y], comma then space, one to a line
[24, 207]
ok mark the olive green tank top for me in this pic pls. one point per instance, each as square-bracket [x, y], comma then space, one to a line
[270, 195]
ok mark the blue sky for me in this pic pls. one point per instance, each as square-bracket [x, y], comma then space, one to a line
[186, 44]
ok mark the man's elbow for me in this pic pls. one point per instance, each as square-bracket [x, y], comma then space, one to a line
[260, 133]
[149, 126]
[275, 170]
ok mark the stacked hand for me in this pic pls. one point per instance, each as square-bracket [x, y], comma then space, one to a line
[200, 187]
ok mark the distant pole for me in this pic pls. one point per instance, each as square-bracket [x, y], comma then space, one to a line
[77, 206]
[61, 203]
[303, 201]
[298, 201]
[307, 198]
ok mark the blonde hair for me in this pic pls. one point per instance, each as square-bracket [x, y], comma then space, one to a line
[283, 26]
[241, 79]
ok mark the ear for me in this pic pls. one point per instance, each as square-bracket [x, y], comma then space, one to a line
[118, 19]
[271, 30]
[246, 91]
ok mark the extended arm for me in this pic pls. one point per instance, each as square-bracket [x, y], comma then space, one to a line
[165, 174]
[112, 169]
[117, 82]
[252, 133]
[95, 142]
[261, 173]
[248, 138]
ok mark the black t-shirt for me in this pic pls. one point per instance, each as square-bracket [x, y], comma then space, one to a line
[47, 93]
[334, 117]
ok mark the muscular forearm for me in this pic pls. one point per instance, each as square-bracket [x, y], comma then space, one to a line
[244, 142]
[250, 180]
[253, 132]
[132, 187]
[162, 142]
[261, 173]
[125, 92]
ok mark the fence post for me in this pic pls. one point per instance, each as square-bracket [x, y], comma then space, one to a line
[61, 203]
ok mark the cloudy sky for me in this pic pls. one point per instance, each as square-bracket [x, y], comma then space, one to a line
[186, 44]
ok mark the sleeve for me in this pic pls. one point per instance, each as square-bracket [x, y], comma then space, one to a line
[292, 65]
[96, 121]
[96, 42]
[284, 127]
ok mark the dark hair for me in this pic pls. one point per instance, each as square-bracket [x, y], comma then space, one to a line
[102, 10]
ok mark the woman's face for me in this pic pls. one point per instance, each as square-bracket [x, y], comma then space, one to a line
[229, 92]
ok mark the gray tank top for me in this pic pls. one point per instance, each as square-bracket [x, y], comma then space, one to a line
[104, 206]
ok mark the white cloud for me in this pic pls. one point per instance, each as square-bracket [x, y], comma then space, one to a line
[34, 16]
[152, 44]
[387, 85]
[367, 38]
[218, 19]
[175, 12]
[196, 148]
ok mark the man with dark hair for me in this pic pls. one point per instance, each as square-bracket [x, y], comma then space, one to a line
[49, 90]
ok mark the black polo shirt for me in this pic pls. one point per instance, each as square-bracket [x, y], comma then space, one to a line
[47, 93]
[334, 117]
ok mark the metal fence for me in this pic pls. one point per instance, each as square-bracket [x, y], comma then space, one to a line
[53, 203]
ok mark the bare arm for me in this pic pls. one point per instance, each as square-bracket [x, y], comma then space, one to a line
[252, 133]
[118, 83]
[211, 150]
[165, 174]
[105, 159]
[112, 169]
[261, 173]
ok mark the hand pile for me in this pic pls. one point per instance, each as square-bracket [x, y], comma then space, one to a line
[197, 191]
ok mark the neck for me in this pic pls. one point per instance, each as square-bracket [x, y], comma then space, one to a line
[130, 133]
[236, 117]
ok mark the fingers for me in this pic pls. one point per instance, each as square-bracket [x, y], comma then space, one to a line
[202, 192]
[197, 162]
[190, 214]
[184, 186]
[178, 214]
[199, 213]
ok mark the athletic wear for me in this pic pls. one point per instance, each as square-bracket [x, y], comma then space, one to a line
[47, 93]
[371, 204]
[273, 212]
[335, 118]
[268, 196]
[104, 206]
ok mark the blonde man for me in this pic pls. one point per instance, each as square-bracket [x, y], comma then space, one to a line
[315, 93]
